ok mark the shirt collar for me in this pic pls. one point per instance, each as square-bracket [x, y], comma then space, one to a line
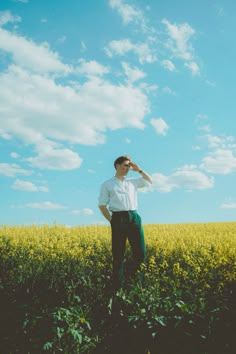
[117, 179]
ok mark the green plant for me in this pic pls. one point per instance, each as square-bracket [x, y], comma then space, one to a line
[72, 330]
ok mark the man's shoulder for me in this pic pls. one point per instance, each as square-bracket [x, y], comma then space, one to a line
[108, 181]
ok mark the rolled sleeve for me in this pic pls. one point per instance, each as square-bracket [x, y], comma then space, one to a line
[140, 182]
[103, 198]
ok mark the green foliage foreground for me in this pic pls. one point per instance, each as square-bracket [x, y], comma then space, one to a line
[56, 297]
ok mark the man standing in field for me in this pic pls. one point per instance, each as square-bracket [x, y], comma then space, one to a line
[118, 204]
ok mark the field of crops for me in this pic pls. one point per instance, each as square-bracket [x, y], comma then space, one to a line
[56, 296]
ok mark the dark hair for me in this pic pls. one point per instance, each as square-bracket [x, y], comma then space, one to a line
[121, 159]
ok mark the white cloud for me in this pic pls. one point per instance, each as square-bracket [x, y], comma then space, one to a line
[148, 88]
[222, 156]
[12, 170]
[201, 117]
[133, 74]
[120, 47]
[168, 90]
[85, 212]
[35, 107]
[28, 186]
[162, 183]
[205, 128]
[196, 147]
[123, 46]
[194, 68]
[4, 135]
[29, 55]
[159, 125]
[44, 206]
[180, 46]
[53, 158]
[186, 177]
[6, 17]
[127, 12]
[223, 142]
[179, 36]
[228, 205]
[168, 64]
[219, 162]
[145, 53]
[14, 155]
[39, 110]
[91, 68]
[132, 14]
[214, 141]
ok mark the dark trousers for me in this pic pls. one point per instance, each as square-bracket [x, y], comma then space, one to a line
[126, 225]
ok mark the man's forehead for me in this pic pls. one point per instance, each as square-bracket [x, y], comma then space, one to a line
[124, 162]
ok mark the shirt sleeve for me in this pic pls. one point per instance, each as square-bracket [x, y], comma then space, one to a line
[140, 182]
[103, 198]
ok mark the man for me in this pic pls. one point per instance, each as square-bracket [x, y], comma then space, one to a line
[118, 204]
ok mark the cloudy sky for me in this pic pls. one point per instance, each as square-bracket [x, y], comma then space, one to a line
[83, 82]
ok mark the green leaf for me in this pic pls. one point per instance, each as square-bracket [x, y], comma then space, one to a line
[47, 346]
[161, 320]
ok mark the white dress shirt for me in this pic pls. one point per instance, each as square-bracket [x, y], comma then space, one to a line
[121, 195]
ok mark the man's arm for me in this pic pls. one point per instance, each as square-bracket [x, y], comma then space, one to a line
[103, 201]
[144, 174]
[105, 212]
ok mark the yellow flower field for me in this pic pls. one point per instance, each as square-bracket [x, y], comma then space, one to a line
[200, 247]
[190, 277]
[58, 239]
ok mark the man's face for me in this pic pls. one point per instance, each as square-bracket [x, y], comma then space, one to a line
[123, 168]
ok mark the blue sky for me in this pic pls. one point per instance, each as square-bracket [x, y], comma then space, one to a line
[83, 82]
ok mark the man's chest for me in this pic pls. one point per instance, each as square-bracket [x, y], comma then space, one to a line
[121, 188]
